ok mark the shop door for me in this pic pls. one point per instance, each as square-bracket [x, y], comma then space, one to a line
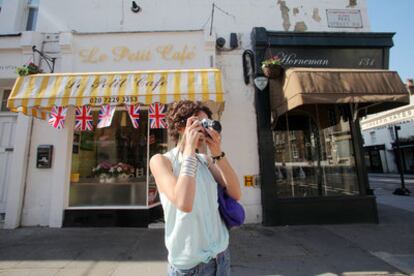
[7, 127]
[375, 162]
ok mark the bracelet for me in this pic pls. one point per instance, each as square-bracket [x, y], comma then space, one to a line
[189, 166]
[218, 157]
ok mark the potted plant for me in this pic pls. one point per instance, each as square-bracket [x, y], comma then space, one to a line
[272, 67]
[122, 171]
[28, 69]
[102, 171]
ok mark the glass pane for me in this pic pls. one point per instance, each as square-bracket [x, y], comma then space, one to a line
[33, 3]
[314, 155]
[338, 164]
[6, 94]
[31, 19]
[109, 165]
[295, 155]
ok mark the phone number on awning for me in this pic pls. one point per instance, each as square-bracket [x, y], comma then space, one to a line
[113, 99]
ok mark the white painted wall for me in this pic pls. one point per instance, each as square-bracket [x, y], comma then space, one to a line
[45, 196]
[116, 16]
[45, 192]
[13, 16]
[239, 130]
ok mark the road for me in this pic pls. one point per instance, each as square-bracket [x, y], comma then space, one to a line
[388, 183]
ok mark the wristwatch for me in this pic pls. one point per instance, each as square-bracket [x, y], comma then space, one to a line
[218, 157]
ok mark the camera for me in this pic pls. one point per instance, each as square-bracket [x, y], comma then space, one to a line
[206, 123]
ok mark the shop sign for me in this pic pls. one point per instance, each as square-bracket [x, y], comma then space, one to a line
[167, 52]
[261, 82]
[330, 57]
[140, 51]
[344, 18]
[402, 116]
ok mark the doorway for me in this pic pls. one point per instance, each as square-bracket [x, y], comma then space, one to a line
[7, 131]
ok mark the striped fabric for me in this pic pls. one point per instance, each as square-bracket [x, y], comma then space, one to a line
[36, 94]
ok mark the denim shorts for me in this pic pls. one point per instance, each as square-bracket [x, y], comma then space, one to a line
[219, 266]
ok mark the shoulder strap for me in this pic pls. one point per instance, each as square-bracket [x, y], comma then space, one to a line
[203, 159]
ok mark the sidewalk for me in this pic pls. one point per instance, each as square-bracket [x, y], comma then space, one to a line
[383, 249]
[391, 175]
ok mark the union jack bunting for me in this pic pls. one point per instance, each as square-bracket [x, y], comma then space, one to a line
[157, 115]
[83, 118]
[57, 117]
[106, 113]
[133, 111]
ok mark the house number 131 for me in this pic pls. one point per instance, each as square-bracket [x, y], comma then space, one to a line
[367, 62]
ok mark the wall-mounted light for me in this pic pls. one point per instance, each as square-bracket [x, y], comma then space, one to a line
[249, 67]
[135, 8]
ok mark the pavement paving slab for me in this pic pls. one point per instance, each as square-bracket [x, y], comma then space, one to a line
[386, 248]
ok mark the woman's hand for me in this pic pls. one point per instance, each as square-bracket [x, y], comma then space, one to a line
[213, 141]
[192, 135]
[222, 171]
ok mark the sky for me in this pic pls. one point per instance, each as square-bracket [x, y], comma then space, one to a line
[396, 16]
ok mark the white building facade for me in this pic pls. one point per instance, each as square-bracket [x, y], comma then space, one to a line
[107, 36]
[379, 136]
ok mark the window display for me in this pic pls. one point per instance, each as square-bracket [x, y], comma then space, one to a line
[314, 156]
[110, 164]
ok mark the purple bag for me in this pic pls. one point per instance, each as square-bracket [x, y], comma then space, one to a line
[230, 210]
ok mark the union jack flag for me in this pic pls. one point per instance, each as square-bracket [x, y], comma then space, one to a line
[83, 118]
[57, 117]
[106, 113]
[157, 115]
[133, 111]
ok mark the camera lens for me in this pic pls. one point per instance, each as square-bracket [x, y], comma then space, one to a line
[216, 126]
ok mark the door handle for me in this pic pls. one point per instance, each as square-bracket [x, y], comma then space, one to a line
[9, 149]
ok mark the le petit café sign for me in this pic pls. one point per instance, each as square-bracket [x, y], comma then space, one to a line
[140, 51]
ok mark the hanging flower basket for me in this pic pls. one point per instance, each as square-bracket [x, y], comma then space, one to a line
[272, 71]
[28, 69]
[272, 67]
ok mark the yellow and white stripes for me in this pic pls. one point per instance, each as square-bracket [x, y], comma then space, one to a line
[36, 94]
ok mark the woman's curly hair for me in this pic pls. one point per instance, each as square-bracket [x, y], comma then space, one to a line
[179, 112]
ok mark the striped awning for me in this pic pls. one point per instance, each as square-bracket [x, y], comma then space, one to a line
[36, 94]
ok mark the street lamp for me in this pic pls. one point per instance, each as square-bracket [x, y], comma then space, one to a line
[403, 190]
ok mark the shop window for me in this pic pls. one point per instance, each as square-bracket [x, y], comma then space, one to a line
[33, 10]
[392, 133]
[318, 158]
[4, 96]
[110, 165]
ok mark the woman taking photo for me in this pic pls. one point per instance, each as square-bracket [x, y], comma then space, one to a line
[195, 236]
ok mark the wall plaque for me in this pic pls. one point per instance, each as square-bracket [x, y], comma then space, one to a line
[345, 18]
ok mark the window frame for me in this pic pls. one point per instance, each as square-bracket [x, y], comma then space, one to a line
[35, 8]
[147, 172]
[3, 91]
[292, 148]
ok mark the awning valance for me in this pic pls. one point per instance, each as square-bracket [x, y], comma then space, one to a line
[37, 94]
[305, 86]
